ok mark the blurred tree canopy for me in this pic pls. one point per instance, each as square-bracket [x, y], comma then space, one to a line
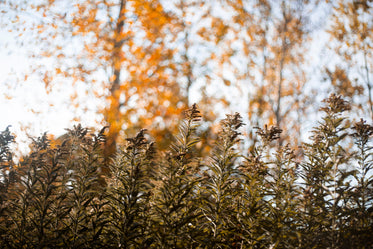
[144, 60]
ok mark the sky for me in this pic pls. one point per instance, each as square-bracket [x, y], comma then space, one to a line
[26, 106]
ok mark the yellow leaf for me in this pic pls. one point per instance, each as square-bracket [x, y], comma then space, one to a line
[227, 82]
[112, 78]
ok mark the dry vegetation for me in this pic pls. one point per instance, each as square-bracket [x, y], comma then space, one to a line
[60, 197]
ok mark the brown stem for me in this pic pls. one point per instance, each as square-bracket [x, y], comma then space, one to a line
[369, 85]
[114, 118]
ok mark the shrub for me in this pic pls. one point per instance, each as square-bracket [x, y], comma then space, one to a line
[62, 196]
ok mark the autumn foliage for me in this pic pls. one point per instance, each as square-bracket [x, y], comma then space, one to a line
[266, 197]
[144, 60]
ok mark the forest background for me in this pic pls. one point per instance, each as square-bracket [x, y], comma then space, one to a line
[139, 64]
